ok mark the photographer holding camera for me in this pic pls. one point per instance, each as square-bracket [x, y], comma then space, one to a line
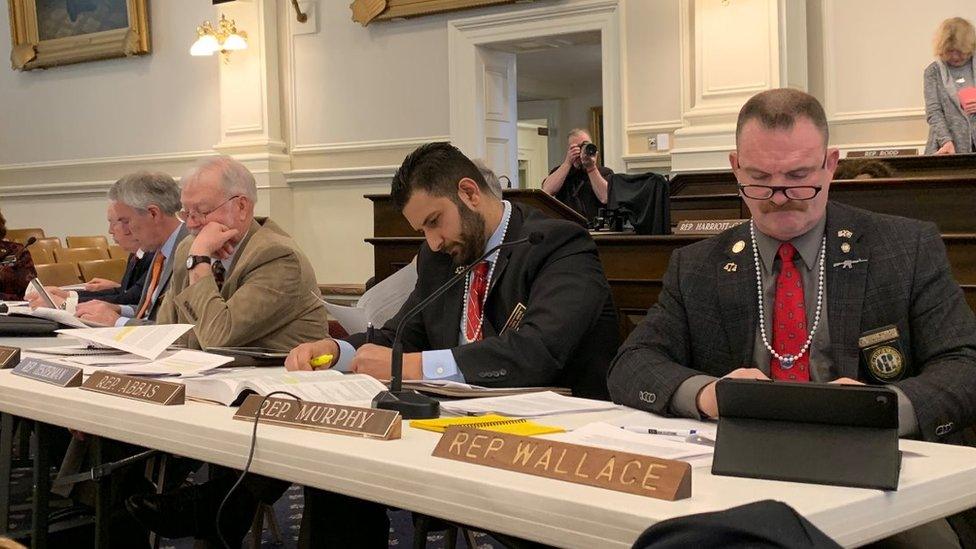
[579, 182]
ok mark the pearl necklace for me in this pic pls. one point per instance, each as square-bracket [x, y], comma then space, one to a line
[484, 298]
[787, 361]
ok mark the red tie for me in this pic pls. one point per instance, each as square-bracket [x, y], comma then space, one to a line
[476, 298]
[789, 319]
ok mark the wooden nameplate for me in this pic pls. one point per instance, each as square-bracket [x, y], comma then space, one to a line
[49, 372]
[620, 471]
[153, 391]
[9, 357]
[317, 416]
[706, 226]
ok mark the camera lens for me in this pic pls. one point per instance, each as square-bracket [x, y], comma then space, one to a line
[589, 149]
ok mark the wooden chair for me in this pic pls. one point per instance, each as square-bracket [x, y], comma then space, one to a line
[76, 255]
[87, 242]
[41, 255]
[21, 235]
[109, 269]
[58, 274]
[49, 242]
[118, 252]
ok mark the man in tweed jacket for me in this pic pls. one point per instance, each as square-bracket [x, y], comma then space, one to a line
[879, 270]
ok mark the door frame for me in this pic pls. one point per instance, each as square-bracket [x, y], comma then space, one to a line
[467, 93]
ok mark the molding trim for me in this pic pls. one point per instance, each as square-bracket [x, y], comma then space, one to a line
[377, 145]
[331, 176]
[662, 126]
[56, 189]
[109, 161]
[876, 115]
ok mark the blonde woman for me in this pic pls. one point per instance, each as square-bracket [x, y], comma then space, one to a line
[950, 89]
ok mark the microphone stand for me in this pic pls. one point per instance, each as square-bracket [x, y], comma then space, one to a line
[411, 404]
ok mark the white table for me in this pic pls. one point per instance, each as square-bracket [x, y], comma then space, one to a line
[402, 473]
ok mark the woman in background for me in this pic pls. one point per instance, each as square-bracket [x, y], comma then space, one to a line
[950, 89]
[16, 267]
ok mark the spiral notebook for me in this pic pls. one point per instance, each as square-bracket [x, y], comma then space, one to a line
[490, 422]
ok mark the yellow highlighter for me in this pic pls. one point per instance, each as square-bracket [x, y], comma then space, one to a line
[319, 361]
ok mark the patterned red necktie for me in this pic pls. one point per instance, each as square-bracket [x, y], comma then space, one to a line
[476, 298]
[789, 320]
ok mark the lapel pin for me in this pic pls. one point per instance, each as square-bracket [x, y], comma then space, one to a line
[845, 247]
[849, 263]
[459, 269]
[845, 233]
[738, 246]
[730, 267]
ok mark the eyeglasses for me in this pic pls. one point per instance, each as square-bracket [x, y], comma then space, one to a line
[186, 216]
[765, 192]
[797, 192]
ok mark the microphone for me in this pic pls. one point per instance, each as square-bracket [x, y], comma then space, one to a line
[411, 404]
[12, 257]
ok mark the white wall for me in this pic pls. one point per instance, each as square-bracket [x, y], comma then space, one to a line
[357, 100]
[67, 132]
[160, 103]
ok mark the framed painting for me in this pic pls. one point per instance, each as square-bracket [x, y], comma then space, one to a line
[364, 11]
[47, 33]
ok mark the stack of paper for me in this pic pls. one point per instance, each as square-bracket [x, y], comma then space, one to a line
[528, 405]
[612, 437]
[145, 341]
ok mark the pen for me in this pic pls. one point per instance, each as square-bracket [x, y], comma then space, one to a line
[669, 432]
[369, 332]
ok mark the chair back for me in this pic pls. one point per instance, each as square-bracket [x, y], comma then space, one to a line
[87, 242]
[48, 242]
[109, 269]
[21, 235]
[118, 252]
[41, 255]
[58, 274]
[76, 255]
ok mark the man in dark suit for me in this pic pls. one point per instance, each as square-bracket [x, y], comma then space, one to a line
[827, 273]
[566, 334]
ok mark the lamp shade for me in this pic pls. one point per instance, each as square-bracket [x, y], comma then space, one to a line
[205, 45]
[235, 42]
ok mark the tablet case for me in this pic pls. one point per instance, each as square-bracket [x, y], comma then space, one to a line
[808, 432]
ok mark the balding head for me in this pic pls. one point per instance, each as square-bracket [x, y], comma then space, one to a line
[779, 109]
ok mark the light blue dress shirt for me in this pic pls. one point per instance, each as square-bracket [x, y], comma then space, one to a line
[128, 312]
[440, 364]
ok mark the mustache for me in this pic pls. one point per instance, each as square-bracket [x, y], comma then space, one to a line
[788, 206]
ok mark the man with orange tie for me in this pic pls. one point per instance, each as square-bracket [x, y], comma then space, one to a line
[146, 202]
[789, 295]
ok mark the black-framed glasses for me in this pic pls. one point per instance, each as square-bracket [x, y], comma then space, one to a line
[185, 215]
[765, 192]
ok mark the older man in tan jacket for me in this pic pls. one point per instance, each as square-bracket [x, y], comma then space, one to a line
[240, 280]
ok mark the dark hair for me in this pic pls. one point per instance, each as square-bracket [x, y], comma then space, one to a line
[435, 168]
[778, 110]
[849, 168]
[3, 227]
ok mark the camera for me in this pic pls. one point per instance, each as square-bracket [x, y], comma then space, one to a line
[587, 149]
[610, 219]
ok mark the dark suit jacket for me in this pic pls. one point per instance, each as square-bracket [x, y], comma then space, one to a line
[705, 320]
[568, 334]
[130, 289]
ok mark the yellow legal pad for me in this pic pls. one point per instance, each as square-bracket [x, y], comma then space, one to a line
[490, 422]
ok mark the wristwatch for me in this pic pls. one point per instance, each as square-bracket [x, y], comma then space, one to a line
[194, 260]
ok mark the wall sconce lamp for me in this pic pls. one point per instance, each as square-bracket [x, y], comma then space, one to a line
[224, 39]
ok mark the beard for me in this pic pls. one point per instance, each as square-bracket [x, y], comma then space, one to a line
[472, 241]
